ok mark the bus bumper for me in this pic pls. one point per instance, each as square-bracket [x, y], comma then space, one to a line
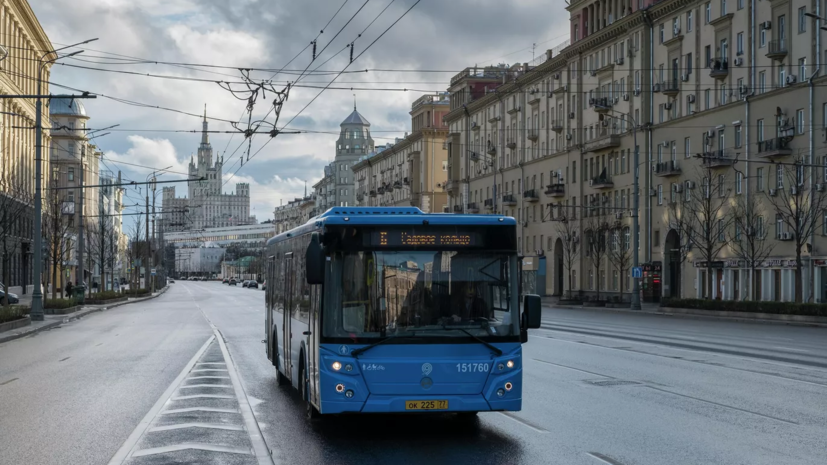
[396, 404]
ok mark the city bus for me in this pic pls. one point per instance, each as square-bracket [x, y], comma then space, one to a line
[378, 310]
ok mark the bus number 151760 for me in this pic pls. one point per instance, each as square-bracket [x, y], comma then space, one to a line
[472, 367]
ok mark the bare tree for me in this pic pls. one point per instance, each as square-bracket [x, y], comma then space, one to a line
[619, 250]
[567, 232]
[15, 204]
[702, 217]
[747, 237]
[597, 230]
[797, 210]
[678, 221]
[135, 251]
[101, 237]
[57, 236]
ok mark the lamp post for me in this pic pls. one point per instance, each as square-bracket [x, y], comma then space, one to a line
[635, 210]
[36, 313]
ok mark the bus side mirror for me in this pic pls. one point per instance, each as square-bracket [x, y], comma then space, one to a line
[532, 311]
[315, 260]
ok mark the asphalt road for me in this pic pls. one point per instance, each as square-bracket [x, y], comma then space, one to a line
[160, 381]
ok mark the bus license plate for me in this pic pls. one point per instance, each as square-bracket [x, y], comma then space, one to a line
[426, 405]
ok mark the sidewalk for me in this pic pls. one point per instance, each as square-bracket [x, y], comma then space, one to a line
[51, 321]
[651, 308]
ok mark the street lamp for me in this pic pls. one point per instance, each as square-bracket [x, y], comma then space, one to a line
[635, 209]
[36, 313]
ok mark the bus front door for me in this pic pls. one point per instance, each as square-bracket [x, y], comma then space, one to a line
[286, 336]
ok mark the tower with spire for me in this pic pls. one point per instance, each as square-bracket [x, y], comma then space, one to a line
[354, 142]
[206, 205]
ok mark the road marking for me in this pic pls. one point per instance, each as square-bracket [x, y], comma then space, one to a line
[206, 385]
[575, 369]
[9, 381]
[210, 363]
[192, 446]
[201, 370]
[123, 453]
[203, 396]
[523, 422]
[64, 359]
[794, 350]
[198, 409]
[208, 377]
[722, 405]
[197, 425]
[604, 458]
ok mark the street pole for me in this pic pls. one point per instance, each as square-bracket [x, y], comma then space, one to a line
[636, 222]
[81, 242]
[153, 234]
[36, 313]
[146, 263]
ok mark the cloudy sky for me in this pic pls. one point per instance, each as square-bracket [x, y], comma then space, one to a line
[445, 35]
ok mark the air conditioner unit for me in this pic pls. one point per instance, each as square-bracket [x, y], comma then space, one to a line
[820, 187]
[793, 191]
[619, 61]
[557, 76]
[475, 156]
[571, 115]
[525, 224]
[616, 99]
[625, 97]
[591, 182]
[710, 134]
[791, 79]
[677, 188]
[690, 98]
[685, 77]
[666, 143]
[593, 73]
[619, 215]
[568, 136]
[653, 193]
[766, 25]
[738, 61]
[656, 87]
[690, 184]
[566, 88]
[743, 90]
[676, 30]
[667, 106]
[772, 192]
[637, 92]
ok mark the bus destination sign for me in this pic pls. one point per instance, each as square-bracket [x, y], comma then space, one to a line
[400, 238]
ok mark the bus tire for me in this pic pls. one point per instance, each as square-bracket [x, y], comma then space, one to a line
[281, 380]
[311, 411]
[467, 415]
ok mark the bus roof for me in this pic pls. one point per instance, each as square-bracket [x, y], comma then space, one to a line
[390, 216]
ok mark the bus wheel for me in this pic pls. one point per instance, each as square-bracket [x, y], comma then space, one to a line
[281, 380]
[312, 413]
[468, 415]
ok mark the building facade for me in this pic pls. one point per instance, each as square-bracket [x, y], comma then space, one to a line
[206, 206]
[336, 188]
[295, 213]
[24, 41]
[250, 236]
[409, 171]
[721, 101]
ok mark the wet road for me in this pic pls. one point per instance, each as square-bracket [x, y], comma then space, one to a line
[159, 382]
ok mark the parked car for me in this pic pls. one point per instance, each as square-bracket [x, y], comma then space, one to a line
[232, 282]
[13, 298]
[245, 283]
[225, 281]
[170, 280]
[252, 284]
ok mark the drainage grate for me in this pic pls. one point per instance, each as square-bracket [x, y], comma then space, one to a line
[611, 382]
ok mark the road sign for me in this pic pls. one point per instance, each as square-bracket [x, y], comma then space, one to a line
[152, 271]
[637, 272]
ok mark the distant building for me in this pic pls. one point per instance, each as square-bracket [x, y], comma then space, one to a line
[251, 236]
[207, 206]
[295, 213]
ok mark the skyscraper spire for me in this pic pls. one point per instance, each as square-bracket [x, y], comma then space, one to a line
[205, 139]
[354, 102]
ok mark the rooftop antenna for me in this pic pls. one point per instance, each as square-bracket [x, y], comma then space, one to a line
[533, 46]
[354, 102]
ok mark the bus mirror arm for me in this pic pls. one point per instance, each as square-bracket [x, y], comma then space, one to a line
[315, 260]
[532, 311]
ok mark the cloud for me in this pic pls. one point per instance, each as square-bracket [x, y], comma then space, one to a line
[158, 153]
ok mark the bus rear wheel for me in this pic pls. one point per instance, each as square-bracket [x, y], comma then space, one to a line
[311, 411]
[281, 380]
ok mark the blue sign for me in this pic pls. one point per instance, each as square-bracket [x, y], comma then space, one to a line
[637, 272]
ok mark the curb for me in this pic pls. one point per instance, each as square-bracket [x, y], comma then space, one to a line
[793, 320]
[76, 315]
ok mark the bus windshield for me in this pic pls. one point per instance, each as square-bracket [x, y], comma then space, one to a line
[378, 294]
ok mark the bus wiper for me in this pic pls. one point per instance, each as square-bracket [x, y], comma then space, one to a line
[494, 348]
[355, 353]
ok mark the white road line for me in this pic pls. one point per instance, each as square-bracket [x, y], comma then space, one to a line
[519, 420]
[186, 386]
[203, 396]
[198, 409]
[197, 425]
[208, 377]
[123, 453]
[191, 446]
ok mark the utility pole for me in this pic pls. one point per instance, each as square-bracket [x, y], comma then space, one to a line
[81, 242]
[152, 186]
[146, 263]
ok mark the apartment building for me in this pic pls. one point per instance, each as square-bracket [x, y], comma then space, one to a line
[722, 101]
[295, 213]
[409, 172]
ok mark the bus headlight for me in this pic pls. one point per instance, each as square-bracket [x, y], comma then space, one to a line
[508, 386]
[500, 367]
[340, 388]
[510, 364]
[348, 367]
[337, 366]
[349, 394]
[500, 392]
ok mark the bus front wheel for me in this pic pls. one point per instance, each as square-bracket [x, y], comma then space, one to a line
[304, 382]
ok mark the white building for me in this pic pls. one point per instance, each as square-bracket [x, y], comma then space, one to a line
[207, 206]
[251, 235]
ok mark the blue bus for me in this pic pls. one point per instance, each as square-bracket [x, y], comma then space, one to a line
[396, 310]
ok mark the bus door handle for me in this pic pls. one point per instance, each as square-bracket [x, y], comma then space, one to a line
[306, 333]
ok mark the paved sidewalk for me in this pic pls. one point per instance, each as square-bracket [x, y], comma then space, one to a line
[51, 321]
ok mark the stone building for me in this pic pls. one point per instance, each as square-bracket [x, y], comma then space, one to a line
[408, 172]
[206, 206]
[295, 213]
[24, 41]
[717, 97]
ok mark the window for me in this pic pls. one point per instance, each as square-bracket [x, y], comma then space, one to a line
[802, 68]
[779, 225]
[676, 26]
[707, 99]
[779, 176]
[799, 174]
[660, 33]
[721, 235]
[660, 194]
[708, 12]
[673, 196]
[723, 7]
[739, 44]
[721, 188]
[760, 227]
[802, 20]
[738, 179]
[759, 177]
[687, 151]
[738, 137]
[762, 38]
[799, 121]
[762, 82]
[738, 232]
[71, 174]
[688, 66]
[740, 4]
[760, 130]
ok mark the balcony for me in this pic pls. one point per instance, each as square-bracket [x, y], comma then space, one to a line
[451, 186]
[511, 144]
[606, 140]
[719, 68]
[489, 204]
[509, 200]
[445, 210]
[777, 50]
[667, 168]
[778, 147]
[531, 195]
[373, 192]
[603, 181]
[671, 88]
[534, 97]
[406, 181]
[533, 135]
[718, 159]
[602, 105]
[381, 190]
[556, 190]
[472, 207]
[560, 90]
[475, 127]
[557, 126]
[397, 185]
[360, 196]
[491, 150]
